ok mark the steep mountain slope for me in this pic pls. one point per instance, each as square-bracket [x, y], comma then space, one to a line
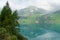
[33, 21]
[51, 21]
[31, 10]
[30, 14]
[28, 20]
[56, 19]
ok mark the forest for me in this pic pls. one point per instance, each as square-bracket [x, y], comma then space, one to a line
[9, 25]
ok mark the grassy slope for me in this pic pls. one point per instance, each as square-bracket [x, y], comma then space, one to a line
[30, 19]
[30, 26]
[56, 19]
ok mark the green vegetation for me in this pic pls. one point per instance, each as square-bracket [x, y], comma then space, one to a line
[51, 21]
[9, 26]
[30, 19]
[56, 22]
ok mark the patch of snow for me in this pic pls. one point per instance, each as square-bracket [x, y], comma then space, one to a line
[31, 10]
[36, 9]
[36, 21]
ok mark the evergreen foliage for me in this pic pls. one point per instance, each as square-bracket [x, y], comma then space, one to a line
[9, 26]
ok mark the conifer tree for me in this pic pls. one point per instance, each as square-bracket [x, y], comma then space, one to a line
[9, 26]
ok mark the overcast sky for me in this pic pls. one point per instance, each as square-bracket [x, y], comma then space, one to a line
[19, 4]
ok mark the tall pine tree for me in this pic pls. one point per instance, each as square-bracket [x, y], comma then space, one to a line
[9, 26]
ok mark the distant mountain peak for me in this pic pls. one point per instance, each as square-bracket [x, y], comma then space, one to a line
[31, 10]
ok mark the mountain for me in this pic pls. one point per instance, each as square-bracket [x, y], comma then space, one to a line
[31, 10]
[28, 21]
[35, 22]
[30, 14]
[51, 21]
[56, 19]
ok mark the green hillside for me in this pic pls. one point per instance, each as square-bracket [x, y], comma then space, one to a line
[30, 15]
[29, 19]
[32, 21]
[51, 21]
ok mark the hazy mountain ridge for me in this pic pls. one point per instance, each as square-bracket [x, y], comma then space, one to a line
[34, 23]
[31, 10]
[28, 21]
[51, 21]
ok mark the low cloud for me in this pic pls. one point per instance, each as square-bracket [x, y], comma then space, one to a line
[19, 4]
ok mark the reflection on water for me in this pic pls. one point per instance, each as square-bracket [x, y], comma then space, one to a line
[48, 36]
